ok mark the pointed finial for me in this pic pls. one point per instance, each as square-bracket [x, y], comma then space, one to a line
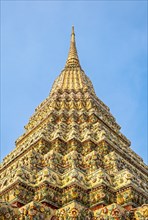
[73, 32]
[72, 59]
[72, 35]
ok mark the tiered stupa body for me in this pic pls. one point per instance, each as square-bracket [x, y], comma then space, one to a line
[73, 162]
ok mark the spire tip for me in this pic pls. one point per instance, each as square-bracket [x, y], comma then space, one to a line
[72, 59]
[73, 29]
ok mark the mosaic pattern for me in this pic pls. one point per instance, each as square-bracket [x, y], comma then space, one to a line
[73, 162]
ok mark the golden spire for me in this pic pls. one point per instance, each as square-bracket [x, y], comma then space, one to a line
[72, 59]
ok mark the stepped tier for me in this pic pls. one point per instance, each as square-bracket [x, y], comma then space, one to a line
[73, 162]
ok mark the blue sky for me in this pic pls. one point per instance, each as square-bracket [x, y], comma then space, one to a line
[111, 39]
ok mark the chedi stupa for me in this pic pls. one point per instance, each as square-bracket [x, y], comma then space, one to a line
[72, 162]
